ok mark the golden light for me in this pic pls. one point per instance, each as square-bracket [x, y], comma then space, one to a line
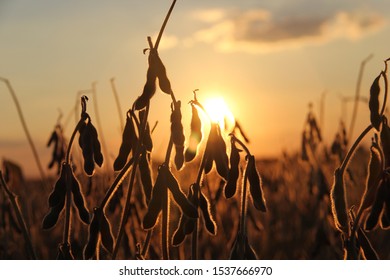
[218, 111]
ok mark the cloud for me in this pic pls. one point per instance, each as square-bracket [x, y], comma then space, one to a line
[257, 31]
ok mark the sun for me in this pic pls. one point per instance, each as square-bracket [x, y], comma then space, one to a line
[218, 111]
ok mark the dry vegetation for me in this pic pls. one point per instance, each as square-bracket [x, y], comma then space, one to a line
[207, 199]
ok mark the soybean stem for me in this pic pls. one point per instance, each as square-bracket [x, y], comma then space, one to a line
[65, 237]
[164, 24]
[136, 157]
[13, 199]
[244, 204]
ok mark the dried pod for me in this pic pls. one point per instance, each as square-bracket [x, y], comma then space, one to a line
[368, 251]
[179, 157]
[186, 225]
[179, 235]
[207, 216]
[234, 172]
[377, 206]
[93, 235]
[155, 203]
[185, 205]
[85, 143]
[216, 151]
[145, 172]
[195, 135]
[106, 234]
[164, 83]
[177, 133]
[255, 189]
[78, 199]
[150, 85]
[51, 218]
[59, 192]
[385, 141]
[338, 202]
[97, 153]
[373, 103]
[129, 138]
[147, 139]
[373, 177]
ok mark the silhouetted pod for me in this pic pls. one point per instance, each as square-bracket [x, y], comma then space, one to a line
[234, 173]
[374, 173]
[59, 192]
[164, 83]
[373, 103]
[338, 202]
[155, 203]
[146, 178]
[150, 85]
[195, 135]
[78, 199]
[97, 153]
[86, 145]
[176, 126]
[385, 141]
[255, 187]
[106, 234]
[377, 206]
[185, 205]
[220, 156]
[186, 225]
[365, 244]
[147, 139]
[179, 157]
[93, 235]
[51, 218]
[207, 216]
[128, 139]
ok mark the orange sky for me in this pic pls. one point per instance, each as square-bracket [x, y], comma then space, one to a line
[268, 59]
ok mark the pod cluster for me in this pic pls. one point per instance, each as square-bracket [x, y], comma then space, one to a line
[90, 146]
[216, 152]
[187, 224]
[58, 196]
[156, 69]
[100, 229]
[165, 180]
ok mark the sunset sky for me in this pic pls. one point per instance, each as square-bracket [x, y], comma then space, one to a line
[267, 59]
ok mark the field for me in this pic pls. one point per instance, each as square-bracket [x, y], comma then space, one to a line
[210, 198]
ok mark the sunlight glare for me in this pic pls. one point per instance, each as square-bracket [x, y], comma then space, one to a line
[219, 111]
